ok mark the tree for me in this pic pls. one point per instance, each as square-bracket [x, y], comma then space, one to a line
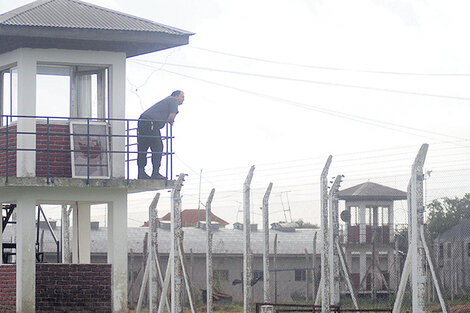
[301, 224]
[446, 213]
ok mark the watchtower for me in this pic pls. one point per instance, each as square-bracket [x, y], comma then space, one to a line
[369, 235]
[71, 144]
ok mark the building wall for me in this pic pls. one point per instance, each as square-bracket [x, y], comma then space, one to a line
[62, 287]
[288, 288]
[11, 154]
[7, 288]
[58, 157]
[59, 153]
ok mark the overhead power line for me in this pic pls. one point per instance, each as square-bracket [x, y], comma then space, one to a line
[360, 119]
[141, 62]
[327, 67]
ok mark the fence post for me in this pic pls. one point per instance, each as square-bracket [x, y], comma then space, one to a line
[325, 268]
[175, 264]
[267, 293]
[333, 237]
[209, 273]
[418, 275]
[246, 241]
[65, 230]
[153, 285]
[275, 268]
[314, 263]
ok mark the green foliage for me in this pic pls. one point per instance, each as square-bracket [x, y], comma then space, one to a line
[218, 280]
[446, 213]
[301, 224]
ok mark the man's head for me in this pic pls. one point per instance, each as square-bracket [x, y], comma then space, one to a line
[178, 94]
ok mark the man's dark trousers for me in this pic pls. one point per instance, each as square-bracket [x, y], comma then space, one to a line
[149, 137]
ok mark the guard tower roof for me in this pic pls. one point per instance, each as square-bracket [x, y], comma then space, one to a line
[371, 191]
[73, 24]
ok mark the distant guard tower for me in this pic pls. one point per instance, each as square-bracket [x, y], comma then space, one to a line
[369, 236]
[70, 144]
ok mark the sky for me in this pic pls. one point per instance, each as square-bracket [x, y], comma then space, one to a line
[284, 84]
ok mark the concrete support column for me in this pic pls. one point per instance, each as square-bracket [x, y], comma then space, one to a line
[25, 255]
[362, 223]
[26, 160]
[117, 250]
[81, 241]
[117, 98]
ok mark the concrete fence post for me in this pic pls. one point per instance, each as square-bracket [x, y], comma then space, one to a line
[247, 251]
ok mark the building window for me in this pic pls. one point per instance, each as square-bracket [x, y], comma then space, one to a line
[354, 210]
[355, 264]
[441, 251]
[300, 275]
[449, 250]
[468, 249]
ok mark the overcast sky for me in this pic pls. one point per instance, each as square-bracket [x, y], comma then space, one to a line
[283, 84]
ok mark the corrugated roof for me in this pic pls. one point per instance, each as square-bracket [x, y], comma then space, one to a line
[190, 217]
[80, 15]
[225, 241]
[460, 232]
[371, 191]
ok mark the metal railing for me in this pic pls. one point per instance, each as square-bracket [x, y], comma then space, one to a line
[89, 139]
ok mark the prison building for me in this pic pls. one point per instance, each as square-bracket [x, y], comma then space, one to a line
[368, 237]
[452, 255]
[291, 262]
[65, 139]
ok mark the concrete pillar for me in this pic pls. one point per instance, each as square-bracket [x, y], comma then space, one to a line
[362, 223]
[25, 255]
[391, 222]
[117, 98]
[117, 250]
[26, 160]
[81, 241]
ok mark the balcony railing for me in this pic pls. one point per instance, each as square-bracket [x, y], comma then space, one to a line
[78, 147]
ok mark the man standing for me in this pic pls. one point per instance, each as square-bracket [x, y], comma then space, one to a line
[148, 132]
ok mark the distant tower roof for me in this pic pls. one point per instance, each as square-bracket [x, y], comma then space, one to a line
[190, 217]
[73, 24]
[371, 191]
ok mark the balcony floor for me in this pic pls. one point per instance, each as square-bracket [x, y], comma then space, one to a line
[131, 185]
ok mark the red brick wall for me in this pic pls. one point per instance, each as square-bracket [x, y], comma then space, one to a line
[7, 288]
[11, 154]
[59, 161]
[62, 288]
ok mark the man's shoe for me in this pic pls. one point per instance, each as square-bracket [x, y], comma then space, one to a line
[157, 176]
[143, 175]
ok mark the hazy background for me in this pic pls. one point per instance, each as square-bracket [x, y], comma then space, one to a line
[283, 84]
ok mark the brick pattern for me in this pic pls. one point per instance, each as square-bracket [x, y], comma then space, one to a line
[11, 154]
[58, 157]
[59, 151]
[7, 288]
[62, 288]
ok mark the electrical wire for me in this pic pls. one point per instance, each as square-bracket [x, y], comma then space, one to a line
[326, 67]
[311, 81]
[347, 116]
